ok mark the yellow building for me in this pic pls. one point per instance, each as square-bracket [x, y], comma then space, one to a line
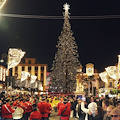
[32, 66]
[3, 72]
[81, 76]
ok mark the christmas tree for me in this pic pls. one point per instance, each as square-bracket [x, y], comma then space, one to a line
[66, 60]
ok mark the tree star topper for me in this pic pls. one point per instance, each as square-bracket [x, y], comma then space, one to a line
[66, 7]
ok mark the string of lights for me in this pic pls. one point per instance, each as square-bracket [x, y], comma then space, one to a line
[60, 17]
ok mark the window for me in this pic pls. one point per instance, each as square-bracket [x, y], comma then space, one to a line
[29, 61]
[29, 68]
[41, 75]
[16, 68]
[42, 68]
[110, 84]
[22, 68]
[36, 68]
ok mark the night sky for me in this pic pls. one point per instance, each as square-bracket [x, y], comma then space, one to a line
[98, 40]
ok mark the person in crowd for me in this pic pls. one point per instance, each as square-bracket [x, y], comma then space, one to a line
[43, 108]
[114, 101]
[115, 114]
[99, 113]
[74, 109]
[90, 112]
[55, 103]
[59, 104]
[23, 106]
[71, 107]
[92, 99]
[49, 107]
[28, 108]
[35, 115]
[7, 110]
[101, 99]
[80, 113]
[1, 109]
[118, 104]
[107, 116]
[105, 104]
[64, 111]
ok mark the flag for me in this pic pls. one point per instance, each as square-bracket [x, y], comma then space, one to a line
[112, 72]
[14, 57]
[24, 75]
[33, 78]
[104, 76]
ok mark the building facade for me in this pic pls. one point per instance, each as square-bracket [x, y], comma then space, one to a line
[3, 72]
[87, 80]
[32, 66]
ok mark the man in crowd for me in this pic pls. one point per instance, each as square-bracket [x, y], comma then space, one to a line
[7, 110]
[107, 116]
[43, 108]
[75, 103]
[64, 111]
[115, 114]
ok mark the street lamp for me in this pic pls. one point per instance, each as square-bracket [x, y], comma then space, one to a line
[4, 58]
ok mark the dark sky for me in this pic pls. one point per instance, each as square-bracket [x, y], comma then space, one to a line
[98, 40]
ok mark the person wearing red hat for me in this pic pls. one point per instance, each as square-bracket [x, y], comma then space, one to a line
[49, 107]
[59, 104]
[43, 108]
[64, 111]
[7, 110]
[35, 115]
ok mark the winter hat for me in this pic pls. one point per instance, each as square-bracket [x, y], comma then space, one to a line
[92, 107]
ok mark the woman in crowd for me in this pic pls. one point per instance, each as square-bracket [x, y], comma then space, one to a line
[99, 113]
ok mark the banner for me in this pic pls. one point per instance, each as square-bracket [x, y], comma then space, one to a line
[24, 75]
[14, 57]
[112, 71]
[104, 76]
[33, 78]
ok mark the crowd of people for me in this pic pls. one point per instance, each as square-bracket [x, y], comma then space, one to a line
[39, 107]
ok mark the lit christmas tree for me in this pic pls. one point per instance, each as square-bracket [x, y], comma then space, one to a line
[66, 60]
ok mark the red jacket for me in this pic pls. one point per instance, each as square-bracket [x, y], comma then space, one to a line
[69, 104]
[35, 115]
[7, 111]
[49, 107]
[66, 114]
[28, 106]
[43, 108]
[59, 104]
